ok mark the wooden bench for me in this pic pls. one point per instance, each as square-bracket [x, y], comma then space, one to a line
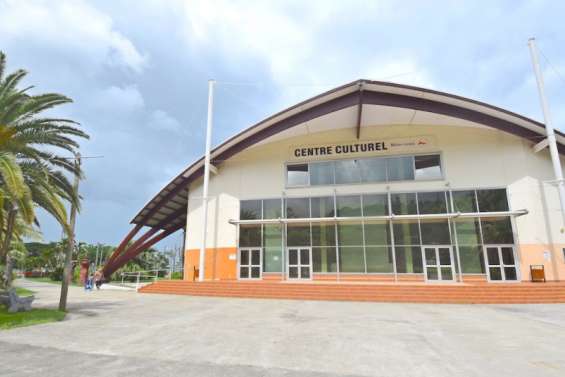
[16, 303]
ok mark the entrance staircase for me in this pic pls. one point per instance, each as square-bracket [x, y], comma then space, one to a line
[493, 293]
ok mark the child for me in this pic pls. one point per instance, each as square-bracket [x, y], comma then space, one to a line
[88, 284]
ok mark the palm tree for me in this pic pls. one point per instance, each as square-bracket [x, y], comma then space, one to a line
[32, 174]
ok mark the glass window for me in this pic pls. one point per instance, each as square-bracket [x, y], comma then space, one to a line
[324, 259]
[298, 235]
[379, 259]
[377, 233]
[249, 235]
[375, 205]
[348, 206]
[322, 207]
[322, 173]
[297, 208]
[347, 171]
[492, 200]
[350, 234]
[468, 231]
[403, 204]
[250, 210]
[431, 202]
[464, 201]
[435, 232]
[400, 168]
[272, 235]
[427, 167]
[323, 234]
[472, 260]
[272, 209]
[406, 232]
[351, 259]
[297, 175]
[272, 259]
[372, 169]
[497, 230]
[408, 260]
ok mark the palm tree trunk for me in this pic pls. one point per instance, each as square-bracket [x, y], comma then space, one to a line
[4, 251]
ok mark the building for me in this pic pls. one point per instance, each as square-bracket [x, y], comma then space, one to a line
[370, 181]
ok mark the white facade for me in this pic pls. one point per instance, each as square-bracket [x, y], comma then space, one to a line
[473, 157]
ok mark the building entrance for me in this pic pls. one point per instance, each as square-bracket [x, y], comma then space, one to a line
[501, 263]
[250, 263]
[299, 263]
[438, 263]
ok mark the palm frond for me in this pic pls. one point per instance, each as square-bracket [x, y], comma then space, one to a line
[11, 81]
[2, 64]
[12, 177]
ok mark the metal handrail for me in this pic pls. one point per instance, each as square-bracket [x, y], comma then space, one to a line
[151, 274]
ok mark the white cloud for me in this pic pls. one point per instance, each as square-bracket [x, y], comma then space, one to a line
[160, 120]
[401, 70]
[72, 26]
[118, 100]
[264, 30]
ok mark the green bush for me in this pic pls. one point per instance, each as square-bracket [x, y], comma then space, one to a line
[177, 275]
[76, 275]
[57, 274]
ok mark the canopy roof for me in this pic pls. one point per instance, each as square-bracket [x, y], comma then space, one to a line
[167, 209]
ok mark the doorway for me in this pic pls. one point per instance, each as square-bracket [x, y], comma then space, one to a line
[299, 263]
[501, 263]
[438, 263]
[250, 263]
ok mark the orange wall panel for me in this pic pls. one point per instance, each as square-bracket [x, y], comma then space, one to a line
[554, 266]
[220, 263]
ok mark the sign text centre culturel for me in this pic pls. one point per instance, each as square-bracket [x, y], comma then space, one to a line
[357, 148]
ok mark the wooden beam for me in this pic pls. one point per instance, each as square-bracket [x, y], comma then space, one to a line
[359, 111]
[213, 169]
[541, 145]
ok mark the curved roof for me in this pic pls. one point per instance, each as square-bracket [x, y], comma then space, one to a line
[167, 209]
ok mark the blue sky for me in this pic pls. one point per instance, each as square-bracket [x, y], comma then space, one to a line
[138, 71]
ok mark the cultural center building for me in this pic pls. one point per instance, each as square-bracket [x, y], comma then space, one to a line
[371, 181]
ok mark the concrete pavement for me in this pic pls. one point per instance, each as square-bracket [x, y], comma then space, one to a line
[117, 333]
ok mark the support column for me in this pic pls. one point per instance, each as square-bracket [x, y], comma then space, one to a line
[202, 258]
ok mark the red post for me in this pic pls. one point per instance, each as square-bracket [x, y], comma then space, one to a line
[84, 265]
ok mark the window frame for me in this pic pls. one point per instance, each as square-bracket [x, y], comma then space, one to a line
[362, 193]
[387, 181]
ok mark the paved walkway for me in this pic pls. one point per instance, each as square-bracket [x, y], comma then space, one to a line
[120, 333]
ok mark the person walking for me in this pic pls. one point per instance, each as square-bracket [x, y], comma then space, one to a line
[88, 284]
[98, 279]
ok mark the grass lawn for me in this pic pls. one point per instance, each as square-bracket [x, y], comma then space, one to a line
[44, 280]
[33, 317]
[24, 292]
[48, 280]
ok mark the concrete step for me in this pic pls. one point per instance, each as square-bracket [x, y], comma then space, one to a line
[492, 293]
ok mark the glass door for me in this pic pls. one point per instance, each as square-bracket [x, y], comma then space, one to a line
[501, 263]
[299, 263]
[438, 263]
[250, 262]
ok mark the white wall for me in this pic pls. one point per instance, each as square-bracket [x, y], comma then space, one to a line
[473, 157]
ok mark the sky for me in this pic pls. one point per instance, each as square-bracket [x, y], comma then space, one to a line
[137, 71]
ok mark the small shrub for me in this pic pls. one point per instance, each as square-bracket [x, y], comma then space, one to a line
[76, 275]
[56, 274]
[177, 275]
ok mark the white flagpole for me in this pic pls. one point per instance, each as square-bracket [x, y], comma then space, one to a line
[548, 127]
[206, 179]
